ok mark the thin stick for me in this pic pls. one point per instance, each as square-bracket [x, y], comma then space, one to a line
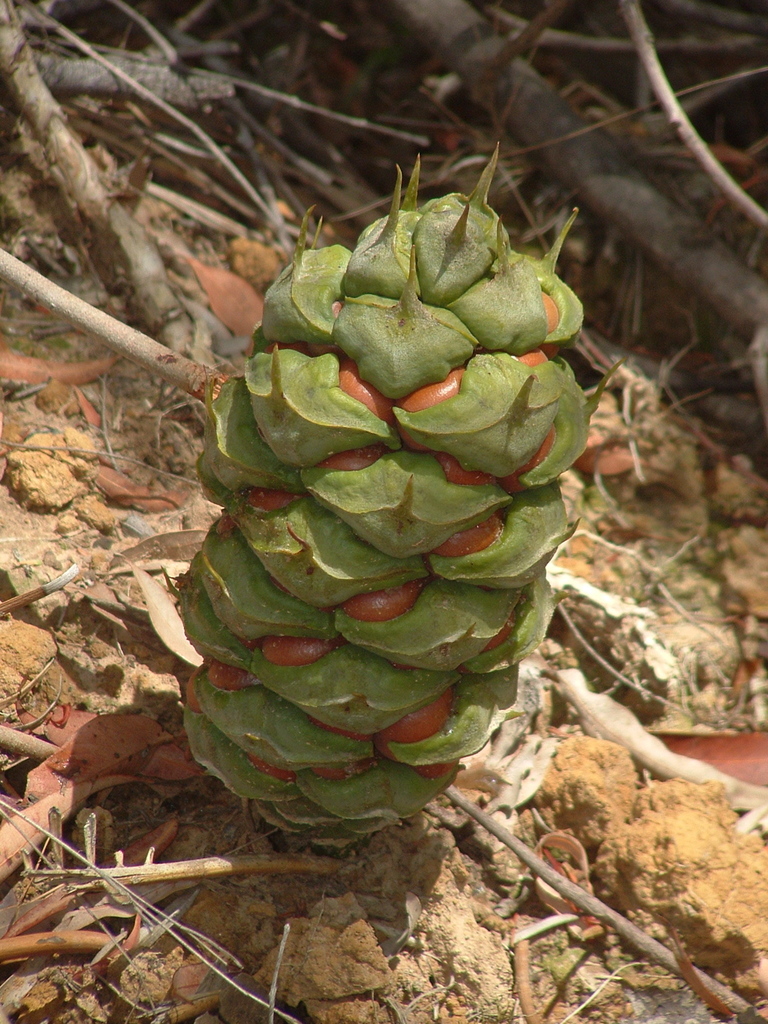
[167, 108]
[21, 947]
[23, 745]
[590, 904]
[643, 40]
[140, 348]
[204, 867]
[29, 596]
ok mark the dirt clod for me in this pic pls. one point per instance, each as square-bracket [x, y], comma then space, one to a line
[24, 652]
[679, 861]
[325, 963]
[589, 789]
[47, 481]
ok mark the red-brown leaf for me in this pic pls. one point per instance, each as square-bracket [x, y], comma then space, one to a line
[119, 488]
[743, 755]
[87, 409]
[31, 370]
[235, 302]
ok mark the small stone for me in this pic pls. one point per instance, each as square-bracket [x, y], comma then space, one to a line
[324, 963]
[67, 523]
[24, 652]
[54, 396]
[93, 512]
[46, 481]
[680, 861]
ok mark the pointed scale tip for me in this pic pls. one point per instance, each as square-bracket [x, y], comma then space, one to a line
[394, 207]
[551, 258]
[318, 229]
[410, 297]
[410, 199]
[480, 192]
[458, 231]
[301, 241]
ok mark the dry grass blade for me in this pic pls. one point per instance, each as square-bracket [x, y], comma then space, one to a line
[205, 949]
[203, 867]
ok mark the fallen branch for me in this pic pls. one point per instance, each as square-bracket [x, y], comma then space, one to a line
[139, 348]
[590, 904]
[22, 744]
[591, 162]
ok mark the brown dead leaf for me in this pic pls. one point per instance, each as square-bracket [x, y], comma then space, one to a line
[122, 490]
[159, 839]
[107, 743]
[743, 755]
[31, 370]
[106, 751]
[235, 302]
[175, 546]
[187, 980]
[166, 619]
[87, 409]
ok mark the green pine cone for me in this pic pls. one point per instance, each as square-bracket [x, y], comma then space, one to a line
[388, 469]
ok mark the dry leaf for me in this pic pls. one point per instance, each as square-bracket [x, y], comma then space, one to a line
[235, 302]
[175, 546]
[166, 619]
[159, 839]
[87, 409]
[743, 755]
[119, 488]
[187, 980]
[15, 366]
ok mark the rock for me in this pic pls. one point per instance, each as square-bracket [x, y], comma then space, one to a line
[679, 861]
[47, 481]
[590, 788]
[325, 963]
[338, 913]
[25, 650]
[93, 512]
[55, 396]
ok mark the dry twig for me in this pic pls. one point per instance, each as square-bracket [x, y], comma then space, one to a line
[203, 867]
[176, 369]
[643, 40]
